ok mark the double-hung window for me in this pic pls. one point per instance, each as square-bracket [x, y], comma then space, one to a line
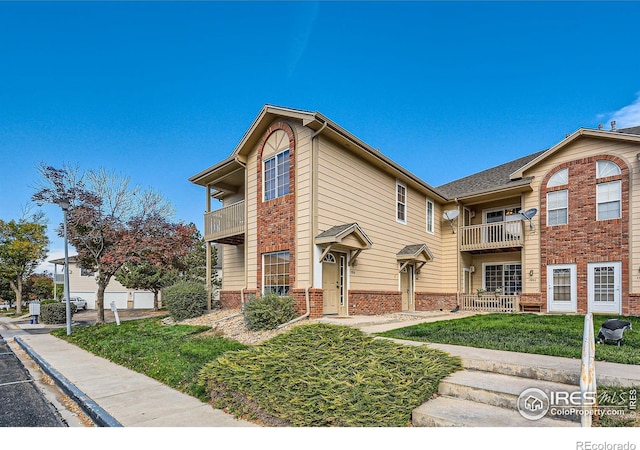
[609, 200]
[401, 202]
[276, 176]
[558, 208]
[430, 216]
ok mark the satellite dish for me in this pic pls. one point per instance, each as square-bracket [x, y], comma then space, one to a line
[451, 215]
[528, 215]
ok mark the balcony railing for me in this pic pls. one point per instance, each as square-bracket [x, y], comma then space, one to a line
[224, 223]
[488, 236]
[489, 302]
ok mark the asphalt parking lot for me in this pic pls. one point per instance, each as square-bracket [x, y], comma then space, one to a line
[21, 402]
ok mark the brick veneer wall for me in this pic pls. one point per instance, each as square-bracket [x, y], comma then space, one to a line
[230, 299]
[432, 301]
[315, 302]
[276, 217]
[374, 302]
[584, 239]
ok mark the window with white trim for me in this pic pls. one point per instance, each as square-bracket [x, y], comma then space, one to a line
[276, 176]
[401, 202]
[609, 200]
[503, 278]
[430, 216]
[560, 178]
[558, 208]
[606, 168]
[275, 273]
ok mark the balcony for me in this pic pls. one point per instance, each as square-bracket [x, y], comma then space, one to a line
[489, 237]
[225, 225]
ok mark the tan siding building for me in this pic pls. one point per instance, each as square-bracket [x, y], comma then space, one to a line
[311, 211]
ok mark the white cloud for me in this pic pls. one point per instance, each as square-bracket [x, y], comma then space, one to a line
[46, 265]
[628, 116]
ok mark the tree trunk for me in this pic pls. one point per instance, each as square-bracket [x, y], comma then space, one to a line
[155, 300]
[17, 289]
[100, 302]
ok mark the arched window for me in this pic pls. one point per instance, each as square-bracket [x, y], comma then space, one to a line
[605, 168]
[560, 178]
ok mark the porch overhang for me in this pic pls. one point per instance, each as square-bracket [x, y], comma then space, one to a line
[418, 254]
[348, 237]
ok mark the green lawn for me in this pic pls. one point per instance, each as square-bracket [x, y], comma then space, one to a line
[555, 335]
[172, 355]
[328, 375]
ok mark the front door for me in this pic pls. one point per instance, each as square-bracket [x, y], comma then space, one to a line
[603, 282]
[406, 287]
[332, 283]
[562, 292]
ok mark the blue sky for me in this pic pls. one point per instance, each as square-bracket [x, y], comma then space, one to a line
[161, 91]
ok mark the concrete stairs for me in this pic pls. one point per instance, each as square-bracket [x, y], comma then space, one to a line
[486, 393]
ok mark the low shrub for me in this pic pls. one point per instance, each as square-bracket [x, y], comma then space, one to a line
[268, 311]
[185, 300]
[48, 302]
[56, 312]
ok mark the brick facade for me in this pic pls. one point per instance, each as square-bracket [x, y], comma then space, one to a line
[374, 302]
[584, 239]
[230, 299]
[315, 302]
[276, 218]
[430, 301]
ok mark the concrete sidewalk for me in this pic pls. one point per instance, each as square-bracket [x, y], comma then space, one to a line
[116, 396]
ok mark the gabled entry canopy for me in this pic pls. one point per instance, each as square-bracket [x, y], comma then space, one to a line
[418, 254]
[346, 237]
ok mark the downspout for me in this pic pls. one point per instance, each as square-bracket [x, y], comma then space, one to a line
[458, 264]
[305, 315]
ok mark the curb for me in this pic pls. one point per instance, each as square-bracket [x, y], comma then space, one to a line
[90, 407]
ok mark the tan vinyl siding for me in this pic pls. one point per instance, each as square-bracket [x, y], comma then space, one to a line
[303, 206]
[233, 267]
[448, 261]
[350, 190]
[251, 237]
[582, 148]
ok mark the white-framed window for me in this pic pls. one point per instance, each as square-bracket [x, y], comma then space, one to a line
[606, 168]
[558, 208]
[430, 216]
[609, 200]
[275, 273]
[560, 178]
[86, 272]
[401, 202]
[276, 176]
[505, 278]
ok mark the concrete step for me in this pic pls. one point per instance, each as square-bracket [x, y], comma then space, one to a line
[455, 412]
[497, 389]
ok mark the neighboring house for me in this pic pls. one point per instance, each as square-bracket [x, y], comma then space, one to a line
[312, 211]
[82, 283]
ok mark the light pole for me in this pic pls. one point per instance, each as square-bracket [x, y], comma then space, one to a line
[64, 204]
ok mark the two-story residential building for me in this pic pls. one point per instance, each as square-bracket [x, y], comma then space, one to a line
[311, 211]
[82, 283]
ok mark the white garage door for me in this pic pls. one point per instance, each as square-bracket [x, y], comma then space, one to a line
[120, 298]
[143, 300]
[90, 297]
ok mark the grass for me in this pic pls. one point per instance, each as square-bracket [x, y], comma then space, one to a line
[172, 355]
[527, 333]
[328, 375]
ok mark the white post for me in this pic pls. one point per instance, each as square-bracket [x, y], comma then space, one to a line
[115, 312]
[588, 387]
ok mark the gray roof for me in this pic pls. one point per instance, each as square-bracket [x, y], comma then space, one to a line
[411, 250]
[335, 231]
[488, 180]
[631, 130]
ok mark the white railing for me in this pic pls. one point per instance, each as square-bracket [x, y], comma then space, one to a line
[491, 236]
[227, 221]
[588, 388]
[489, 302]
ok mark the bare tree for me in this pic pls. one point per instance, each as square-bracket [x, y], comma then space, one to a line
[109, 223]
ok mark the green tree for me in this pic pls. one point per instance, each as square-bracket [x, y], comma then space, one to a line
[39, 286]
[23, 246]
[147, 276]
[195, 262]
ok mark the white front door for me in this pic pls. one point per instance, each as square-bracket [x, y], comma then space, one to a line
[604, 287]
[562, 291]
